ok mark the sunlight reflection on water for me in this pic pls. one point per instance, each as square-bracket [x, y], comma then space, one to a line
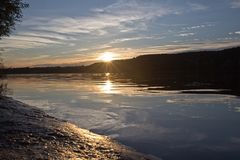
[107, 87]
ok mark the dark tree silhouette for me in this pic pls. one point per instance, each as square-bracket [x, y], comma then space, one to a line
[10, 13]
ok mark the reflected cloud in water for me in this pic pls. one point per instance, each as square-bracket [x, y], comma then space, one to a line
[145, 116]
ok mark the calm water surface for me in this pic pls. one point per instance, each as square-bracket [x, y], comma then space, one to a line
[169, 124]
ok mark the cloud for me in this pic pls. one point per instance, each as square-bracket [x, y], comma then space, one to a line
[102, 28]
[197, 27]
[232, 33]
[76, 56]
[238, 32]
[34, 58]
[137, 10]
[135, 39]
[45, 60]
[186, 34]
[25, 42]
[177, 48]
[35, 39]
[93, 49]
[126, 15]
[168, 49]
[197, 7]
[118, 18]
[235, 4]
[46, 35]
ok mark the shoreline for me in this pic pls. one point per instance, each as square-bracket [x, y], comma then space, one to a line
[29, 133]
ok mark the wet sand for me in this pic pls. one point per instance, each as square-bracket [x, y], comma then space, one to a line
[29, 133]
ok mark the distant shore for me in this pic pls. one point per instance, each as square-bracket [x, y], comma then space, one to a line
[29, 133]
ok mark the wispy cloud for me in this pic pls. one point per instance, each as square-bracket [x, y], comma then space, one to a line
[34, 39]
[136, 39]
[126, 27]
[171, 48]
[25, 42]
[186, 34]
[94, 49]
[39, 57]
[46, 35]
[121, 53]
[198, 26]
[120, 17]
[238, 32]
[232, 33]
[176, 48]
[124, 15]
[235, 4]
[46, 60]
[197, 7]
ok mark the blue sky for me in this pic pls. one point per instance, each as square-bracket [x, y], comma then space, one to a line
[75, 31]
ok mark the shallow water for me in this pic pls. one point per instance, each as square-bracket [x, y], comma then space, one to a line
[167, 123]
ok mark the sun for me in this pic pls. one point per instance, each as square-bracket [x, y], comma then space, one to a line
[107, 56]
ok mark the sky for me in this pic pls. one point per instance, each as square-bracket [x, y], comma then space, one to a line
[60, 32]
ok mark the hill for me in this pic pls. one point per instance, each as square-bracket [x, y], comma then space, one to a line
[213, 62]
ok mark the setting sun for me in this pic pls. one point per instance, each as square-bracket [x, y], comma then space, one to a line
[107, 56]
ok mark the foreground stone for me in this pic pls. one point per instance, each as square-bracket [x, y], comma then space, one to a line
[29, 133]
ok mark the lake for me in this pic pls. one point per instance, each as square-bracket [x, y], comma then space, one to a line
[191, 120]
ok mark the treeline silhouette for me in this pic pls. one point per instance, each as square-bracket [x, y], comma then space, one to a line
[203, 62]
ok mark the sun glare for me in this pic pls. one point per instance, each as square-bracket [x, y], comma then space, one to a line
[107, 56]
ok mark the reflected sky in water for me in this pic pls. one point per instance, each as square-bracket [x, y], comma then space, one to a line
[166, 123]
